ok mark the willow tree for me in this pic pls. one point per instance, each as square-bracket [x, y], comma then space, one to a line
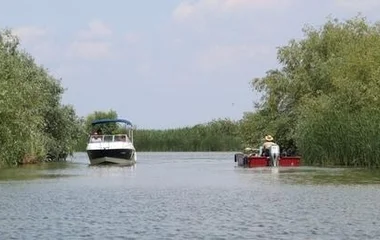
[325, 96]
[111, 114]
[34, 124]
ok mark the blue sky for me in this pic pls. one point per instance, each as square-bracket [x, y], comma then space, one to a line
[168, 63]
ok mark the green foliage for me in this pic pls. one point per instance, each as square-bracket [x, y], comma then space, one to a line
[86, 127]
[108, 128]
[34, 125]
[324, 99]
[217, 135]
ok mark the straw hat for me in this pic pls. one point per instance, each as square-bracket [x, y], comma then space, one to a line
[268, 138]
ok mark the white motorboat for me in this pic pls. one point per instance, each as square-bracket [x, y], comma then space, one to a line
[104, 147]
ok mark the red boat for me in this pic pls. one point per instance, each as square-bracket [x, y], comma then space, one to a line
[257, 160]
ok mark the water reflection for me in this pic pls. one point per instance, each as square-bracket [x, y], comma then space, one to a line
[111, 170]
[335, 176]
[290, 175]
[37, 171]
[313, 175]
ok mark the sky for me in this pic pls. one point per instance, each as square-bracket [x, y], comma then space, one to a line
[168, 63]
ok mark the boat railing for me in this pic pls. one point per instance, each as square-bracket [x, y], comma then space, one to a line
[109, 138]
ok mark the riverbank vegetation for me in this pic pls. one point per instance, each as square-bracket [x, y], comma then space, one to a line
[35, 126]
[324, 100]
[217, 135]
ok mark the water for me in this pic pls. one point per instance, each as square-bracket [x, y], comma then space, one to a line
[185, 196]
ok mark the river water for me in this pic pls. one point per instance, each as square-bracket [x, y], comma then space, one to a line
[185, 196]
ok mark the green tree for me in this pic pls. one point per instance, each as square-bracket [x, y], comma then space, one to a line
[324, 99]
[86, 127]
[32, 117]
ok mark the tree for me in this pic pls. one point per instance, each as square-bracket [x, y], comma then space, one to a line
[325, 96]
[34, 124]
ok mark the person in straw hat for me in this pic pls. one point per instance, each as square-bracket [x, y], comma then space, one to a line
[268, 143]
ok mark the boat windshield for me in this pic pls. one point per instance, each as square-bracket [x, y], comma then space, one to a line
[111, 130]
[109, 138]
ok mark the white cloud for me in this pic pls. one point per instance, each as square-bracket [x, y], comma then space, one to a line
[144, 69]
[132, 38]
[70, 70]
[187, 9]
[46, 51]
[38, 42]
[231, 5]
[96, 28]
[221, 56]
[90, 43]
[90, 49]
[358, 5]
[184, 10]
[29, 33]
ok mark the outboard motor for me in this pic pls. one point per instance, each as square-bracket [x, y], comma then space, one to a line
[240, 159]
[274, 156]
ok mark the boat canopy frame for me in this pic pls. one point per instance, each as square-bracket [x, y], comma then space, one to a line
[127, 123]
[108, 120]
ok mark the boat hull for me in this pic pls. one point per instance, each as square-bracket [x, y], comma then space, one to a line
[243, 160]
[111, 156]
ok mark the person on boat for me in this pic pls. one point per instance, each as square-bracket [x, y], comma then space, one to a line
[95, 138]
[99, 132]
[267, 144]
